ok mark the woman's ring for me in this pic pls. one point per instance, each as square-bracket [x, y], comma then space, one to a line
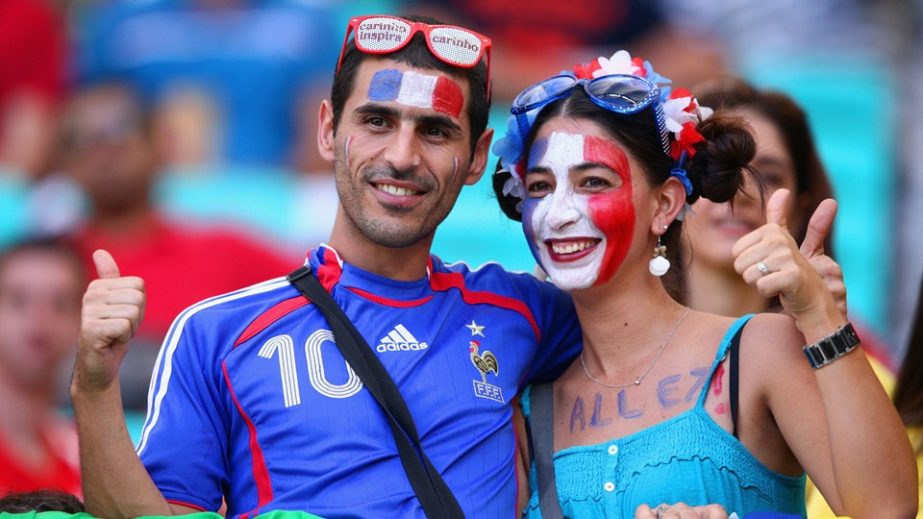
[762, 268]
[660, 510]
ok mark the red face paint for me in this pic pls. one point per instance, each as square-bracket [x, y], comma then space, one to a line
[612, 212]
[447, 97]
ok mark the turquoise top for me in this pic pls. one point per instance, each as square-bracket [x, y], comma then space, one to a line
[687, 458]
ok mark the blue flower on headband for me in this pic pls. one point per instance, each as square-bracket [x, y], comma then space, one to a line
[510, 147]
[661, 81]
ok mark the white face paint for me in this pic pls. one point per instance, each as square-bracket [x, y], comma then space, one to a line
[568, 244]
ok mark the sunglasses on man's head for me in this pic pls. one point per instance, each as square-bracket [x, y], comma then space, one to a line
[381, 34]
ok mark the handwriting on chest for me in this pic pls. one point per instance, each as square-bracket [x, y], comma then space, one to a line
[601, 410]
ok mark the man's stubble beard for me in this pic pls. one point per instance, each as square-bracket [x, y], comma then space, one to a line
[395, 236]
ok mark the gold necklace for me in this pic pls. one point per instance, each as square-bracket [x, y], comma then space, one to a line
[637, 380]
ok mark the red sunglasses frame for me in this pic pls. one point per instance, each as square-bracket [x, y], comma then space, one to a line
[427, 31]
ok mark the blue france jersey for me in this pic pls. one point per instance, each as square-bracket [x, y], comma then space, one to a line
[251, 400]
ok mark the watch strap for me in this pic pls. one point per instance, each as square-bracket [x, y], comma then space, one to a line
[839, 343]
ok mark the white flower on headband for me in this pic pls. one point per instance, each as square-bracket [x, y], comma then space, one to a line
[514, 187]
[619, 63]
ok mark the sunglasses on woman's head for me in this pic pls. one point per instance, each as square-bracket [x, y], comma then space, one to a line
[619, 93]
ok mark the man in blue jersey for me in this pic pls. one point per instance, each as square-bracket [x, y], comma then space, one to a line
[252, 404]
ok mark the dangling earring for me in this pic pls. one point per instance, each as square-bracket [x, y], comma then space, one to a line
[659, 264]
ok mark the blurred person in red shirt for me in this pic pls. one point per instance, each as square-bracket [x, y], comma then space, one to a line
[106, 149]
[33, 49]
[41, 282]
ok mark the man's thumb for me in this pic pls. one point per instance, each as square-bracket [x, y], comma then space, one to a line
[105, 265]
[818, 228]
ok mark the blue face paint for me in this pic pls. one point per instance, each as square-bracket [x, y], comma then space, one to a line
[536, 152]
[386, 85]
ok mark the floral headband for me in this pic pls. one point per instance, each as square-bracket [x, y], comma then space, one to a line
[678, 114]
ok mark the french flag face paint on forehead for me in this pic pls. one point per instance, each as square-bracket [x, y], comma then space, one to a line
[411, 88]
[579, 237]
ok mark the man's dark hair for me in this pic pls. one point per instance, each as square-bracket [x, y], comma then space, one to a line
[52, 245]
[416, 54]
[41, 501]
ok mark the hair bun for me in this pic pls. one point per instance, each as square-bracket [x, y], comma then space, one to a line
[716, 169]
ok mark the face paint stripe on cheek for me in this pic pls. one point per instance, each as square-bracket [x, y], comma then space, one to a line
[346, 149]
[612, 211]
[530, 210]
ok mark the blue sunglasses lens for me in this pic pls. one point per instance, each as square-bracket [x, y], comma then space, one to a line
[622, 93]
[541, 92]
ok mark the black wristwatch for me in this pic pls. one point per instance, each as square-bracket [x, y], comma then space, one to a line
[832, 347]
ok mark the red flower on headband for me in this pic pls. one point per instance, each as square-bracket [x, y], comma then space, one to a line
[585, 70]
[686, 140]
[639, 65]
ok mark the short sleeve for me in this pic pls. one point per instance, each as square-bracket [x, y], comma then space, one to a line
[183, 442]
[561, 338]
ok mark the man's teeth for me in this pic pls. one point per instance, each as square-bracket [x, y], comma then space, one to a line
[394, 190]
[571, 247]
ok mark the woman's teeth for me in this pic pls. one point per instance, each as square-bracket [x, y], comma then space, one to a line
[571, 247]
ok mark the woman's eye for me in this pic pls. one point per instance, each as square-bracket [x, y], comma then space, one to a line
[538, 188]
[595, 183]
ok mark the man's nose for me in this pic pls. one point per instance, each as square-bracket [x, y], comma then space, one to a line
[403, 153]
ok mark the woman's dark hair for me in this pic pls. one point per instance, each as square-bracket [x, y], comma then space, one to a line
[716, 170]
[783, 112]
[908, 395]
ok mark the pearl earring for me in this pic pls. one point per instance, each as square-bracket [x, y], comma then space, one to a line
[659, 264]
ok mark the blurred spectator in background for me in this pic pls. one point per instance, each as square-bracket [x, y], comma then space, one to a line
[835, 57]
[228, 79]
[41, 282]
[785, 158]
[33, 47]
[530, 37]
[106, 148]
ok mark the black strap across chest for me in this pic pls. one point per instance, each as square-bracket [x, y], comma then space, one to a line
[435, 496]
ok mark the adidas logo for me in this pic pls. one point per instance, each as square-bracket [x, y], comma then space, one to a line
[400, 339]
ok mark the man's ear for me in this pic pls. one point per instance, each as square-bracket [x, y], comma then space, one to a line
[479, 157]
[671, 197]
[326, 145]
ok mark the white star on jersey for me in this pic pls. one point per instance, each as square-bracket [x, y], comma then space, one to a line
[475, 328]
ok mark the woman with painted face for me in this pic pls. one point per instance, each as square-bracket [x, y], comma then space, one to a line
[600, 166]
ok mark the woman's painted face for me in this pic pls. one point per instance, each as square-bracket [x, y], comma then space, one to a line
[578, 217]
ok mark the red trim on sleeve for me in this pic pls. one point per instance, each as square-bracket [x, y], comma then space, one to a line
[186, 504]
[389, 302]
[260, 472]
[276, 312]
[443, 281]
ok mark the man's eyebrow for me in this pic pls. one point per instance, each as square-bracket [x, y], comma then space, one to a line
[440, 121]
[377, 109]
